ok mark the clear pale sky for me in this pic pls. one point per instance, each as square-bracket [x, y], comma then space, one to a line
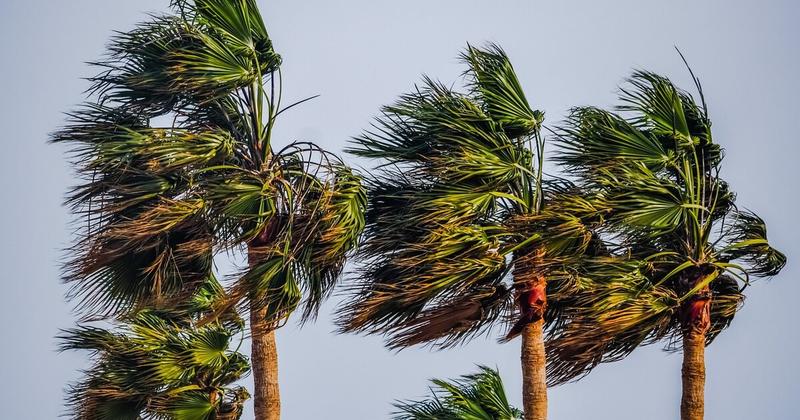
[361, 54]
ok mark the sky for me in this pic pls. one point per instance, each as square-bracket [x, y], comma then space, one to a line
[361, 54]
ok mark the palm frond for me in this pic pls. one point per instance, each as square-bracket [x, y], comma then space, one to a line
[493, 79]
[453, 321]
[151, 367]
[746, 237]
[170, 62]
[479, 396]
[595, 139]
[448, 135]
[339, 218]
[618, 310]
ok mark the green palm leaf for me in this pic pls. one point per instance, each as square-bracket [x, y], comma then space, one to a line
[158, 365]
[479, 396]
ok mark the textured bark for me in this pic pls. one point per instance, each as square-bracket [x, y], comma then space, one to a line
[696, 321]
[264, 359]
[693, 375]
[534, 376]
[532, 300]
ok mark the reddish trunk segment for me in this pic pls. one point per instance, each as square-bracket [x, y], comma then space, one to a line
[532, 300]
[696, 320]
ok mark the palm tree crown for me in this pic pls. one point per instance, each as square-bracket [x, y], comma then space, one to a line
[161, 199]
[683, 252]
[460, 191]
[176, 152]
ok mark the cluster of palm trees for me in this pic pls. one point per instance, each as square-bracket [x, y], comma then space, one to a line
[455, 231]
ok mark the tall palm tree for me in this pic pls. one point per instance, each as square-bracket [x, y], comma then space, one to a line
[176, 152]
[479, 396]
[685, 252]
[457, 205]
[161, 365]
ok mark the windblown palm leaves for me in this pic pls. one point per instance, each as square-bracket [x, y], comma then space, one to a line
[684, 252]
[178, 164]
[479, 396]
[160, 365]
[458, 195]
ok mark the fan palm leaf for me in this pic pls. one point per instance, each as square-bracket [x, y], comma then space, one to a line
[478, 396]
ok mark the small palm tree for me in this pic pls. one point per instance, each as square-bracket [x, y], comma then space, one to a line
[161, 365]
[179, 165]
[479, 396]
[458, 205]
[684, 252]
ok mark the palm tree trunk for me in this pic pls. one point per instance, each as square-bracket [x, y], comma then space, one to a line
[264, 360]
[696, 321]
[532, 300]
[534, 377]
[693, 375]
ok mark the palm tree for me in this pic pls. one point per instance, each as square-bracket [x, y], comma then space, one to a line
[479, 396]
[457, 205]
[176, 152]
[685, 252]
[161, 365]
